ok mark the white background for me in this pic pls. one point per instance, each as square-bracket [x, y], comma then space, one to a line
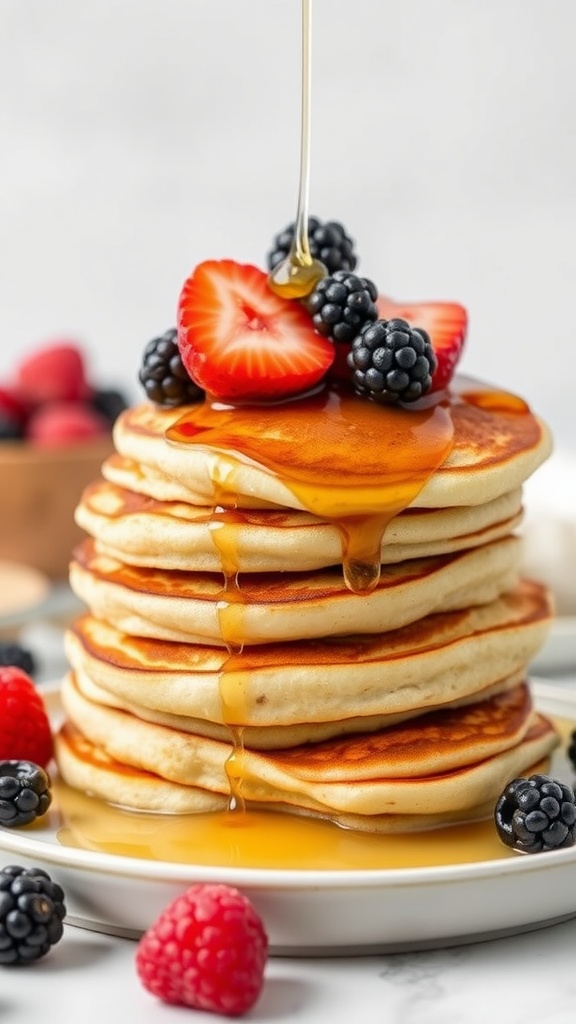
[139, 137]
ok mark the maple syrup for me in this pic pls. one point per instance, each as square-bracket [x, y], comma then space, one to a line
[297, 275]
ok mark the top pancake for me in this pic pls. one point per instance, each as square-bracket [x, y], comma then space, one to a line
[242, 457]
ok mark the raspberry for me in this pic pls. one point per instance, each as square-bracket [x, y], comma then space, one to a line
[207, 950]
[54, 373]
[25, 733]
[58, 423]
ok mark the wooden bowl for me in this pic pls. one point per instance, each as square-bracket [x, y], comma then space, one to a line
[39, 490]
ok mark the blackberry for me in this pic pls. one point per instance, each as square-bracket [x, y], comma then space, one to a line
[14, 654]
[328, 243]
[162, 373]
[341, 304]
[10, 430]
[109, 402]
[25, 793]
[32, 909]
[391, 361]
[536, 814]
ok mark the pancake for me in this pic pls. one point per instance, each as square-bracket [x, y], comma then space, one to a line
[143, 531]
[267, 608]
[286, 690]
[497, 444]
[447, 764]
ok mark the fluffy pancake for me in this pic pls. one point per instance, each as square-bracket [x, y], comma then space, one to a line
[338, 683]
[141, 530]
[497, 443]
[267, 608]
[447, 764]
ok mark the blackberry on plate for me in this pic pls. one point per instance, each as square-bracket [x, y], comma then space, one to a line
[162, 373]
[341, 304]
[32, 910]
[25, 793]
[391, 361]
[14, 654]
[328, 243]
[535, 814]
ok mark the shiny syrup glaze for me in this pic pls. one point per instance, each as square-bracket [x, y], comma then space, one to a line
[344, 459]
[268, 840]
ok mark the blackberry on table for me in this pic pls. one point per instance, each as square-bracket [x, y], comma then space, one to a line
[391, 361]
[10, 430]
[163, 375]
[14, 654]
[328, 242]
[535, 814]
[25, 793]
[109, 402]
[341, 304]
[32, 910]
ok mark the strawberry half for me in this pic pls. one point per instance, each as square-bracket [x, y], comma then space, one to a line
[445, 322]
[240, 342]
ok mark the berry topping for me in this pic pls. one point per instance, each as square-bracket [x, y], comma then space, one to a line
[54, 373]
[341, 304]
[31, 913]
[536, 814]
[25, 733]
[207, 950]
[445, 323]
[391, 362]
[12, 653]
[162, 373]
[240, 342]
[58, 423]
[25, 793]
[328, 243]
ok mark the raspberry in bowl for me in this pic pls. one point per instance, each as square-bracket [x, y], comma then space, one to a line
[55, 432]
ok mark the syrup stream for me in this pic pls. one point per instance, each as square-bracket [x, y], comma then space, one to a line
[296, 276]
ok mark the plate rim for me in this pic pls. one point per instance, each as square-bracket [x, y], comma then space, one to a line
[550, 698]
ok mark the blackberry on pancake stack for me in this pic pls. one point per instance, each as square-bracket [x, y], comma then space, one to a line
[314, 572]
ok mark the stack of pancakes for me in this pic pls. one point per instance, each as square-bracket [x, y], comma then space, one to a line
[245, 642]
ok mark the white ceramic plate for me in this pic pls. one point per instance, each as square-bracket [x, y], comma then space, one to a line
[326, 912]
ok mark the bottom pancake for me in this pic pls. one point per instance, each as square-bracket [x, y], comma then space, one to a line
[449, 766]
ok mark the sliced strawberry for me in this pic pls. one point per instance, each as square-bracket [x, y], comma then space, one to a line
[241, 342]
[445, 322]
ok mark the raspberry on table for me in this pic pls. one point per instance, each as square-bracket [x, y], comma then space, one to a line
[32, 910]
[25, 732]
[535, 814]
[207, 950]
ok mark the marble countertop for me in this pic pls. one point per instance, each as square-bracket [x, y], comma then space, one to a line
[529, 977]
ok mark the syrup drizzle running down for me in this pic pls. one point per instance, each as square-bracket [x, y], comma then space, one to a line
[296, 276]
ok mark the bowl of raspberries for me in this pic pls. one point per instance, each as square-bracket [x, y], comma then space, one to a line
[55, 432]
